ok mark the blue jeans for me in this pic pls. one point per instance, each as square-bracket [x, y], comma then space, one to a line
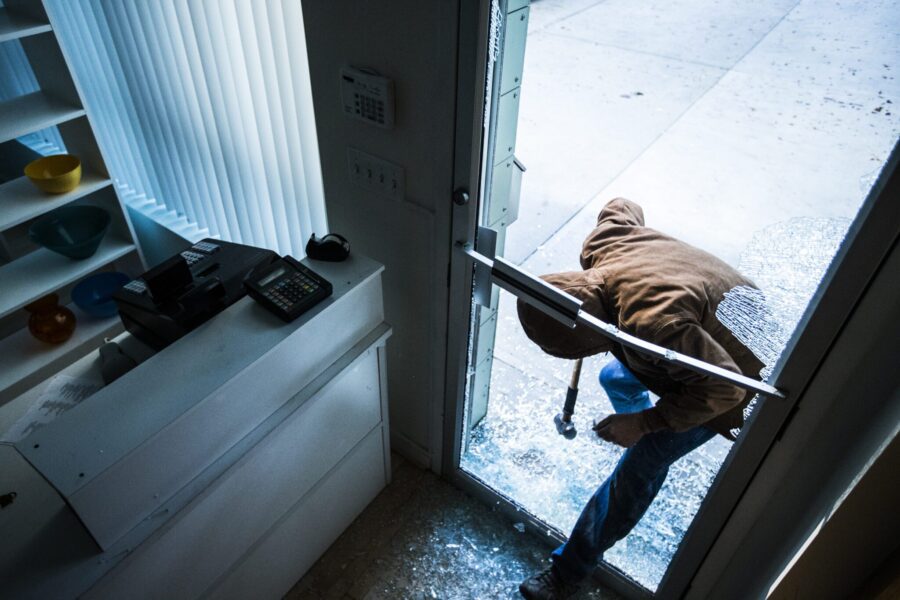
[621, 500]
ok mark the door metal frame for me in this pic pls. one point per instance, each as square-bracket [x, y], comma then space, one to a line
[469, 144]
[471, 72]
[867, 241]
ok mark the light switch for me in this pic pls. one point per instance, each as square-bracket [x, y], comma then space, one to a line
[375, 174]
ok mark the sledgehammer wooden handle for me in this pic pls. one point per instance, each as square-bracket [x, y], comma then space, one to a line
[576, 375]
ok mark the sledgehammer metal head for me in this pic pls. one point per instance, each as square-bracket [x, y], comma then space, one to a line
[563, 421]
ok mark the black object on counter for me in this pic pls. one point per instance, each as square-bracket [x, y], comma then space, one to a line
[332, 248]
[288, 288]
[187, 290]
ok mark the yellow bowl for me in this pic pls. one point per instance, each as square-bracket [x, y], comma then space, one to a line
[55, 174]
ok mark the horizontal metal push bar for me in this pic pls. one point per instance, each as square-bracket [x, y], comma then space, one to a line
[566, 309]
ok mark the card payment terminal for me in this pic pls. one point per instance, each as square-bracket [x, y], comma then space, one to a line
[287, 288]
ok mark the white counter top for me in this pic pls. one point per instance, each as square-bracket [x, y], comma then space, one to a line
[135, 453]
[122, 416]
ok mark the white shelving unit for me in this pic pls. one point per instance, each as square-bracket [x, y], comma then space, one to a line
[41, 272]
[15, 26]
[25, 361]
[21, 201]
[28, 272]
[33, 112]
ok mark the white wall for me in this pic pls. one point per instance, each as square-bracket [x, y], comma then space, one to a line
[414, 43]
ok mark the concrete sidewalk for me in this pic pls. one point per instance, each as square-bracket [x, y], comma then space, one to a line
[721, 118]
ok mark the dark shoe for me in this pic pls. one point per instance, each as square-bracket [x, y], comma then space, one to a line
[546, 585]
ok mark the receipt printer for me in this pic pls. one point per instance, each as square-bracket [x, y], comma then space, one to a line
[187, 290]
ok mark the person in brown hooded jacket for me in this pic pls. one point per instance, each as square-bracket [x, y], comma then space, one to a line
[665, 291]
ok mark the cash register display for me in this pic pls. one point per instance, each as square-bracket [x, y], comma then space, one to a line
[288, 288]
[272, 277]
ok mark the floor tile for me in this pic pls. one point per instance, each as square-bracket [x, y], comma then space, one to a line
[545, 13]
[586, 112]
[423, 538]
[837, 44]
[754, 151]
[710, 32]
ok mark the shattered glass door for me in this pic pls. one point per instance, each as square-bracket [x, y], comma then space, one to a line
[754, 147]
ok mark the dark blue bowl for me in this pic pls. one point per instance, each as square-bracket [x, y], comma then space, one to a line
[73, 231]
[93, 294]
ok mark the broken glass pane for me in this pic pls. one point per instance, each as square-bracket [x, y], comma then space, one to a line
[787, 262]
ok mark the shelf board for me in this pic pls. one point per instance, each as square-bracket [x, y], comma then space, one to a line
[41, 272]
[32, 112]
[14, 26]
[25, 361]
[21, 201]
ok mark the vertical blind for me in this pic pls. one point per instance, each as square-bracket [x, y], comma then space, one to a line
[203, 110]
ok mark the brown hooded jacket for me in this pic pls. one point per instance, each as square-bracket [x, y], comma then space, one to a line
[664, 291]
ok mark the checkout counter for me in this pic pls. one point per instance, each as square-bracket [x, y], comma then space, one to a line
[221, 466]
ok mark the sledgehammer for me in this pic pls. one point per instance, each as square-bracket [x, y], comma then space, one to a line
[564, 425]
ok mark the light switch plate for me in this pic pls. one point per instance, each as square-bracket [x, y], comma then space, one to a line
[375, 174]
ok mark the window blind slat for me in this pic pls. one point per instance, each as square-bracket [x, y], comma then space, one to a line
[136, 81]
[202, 109]
[207, 132]
[116, 104]
[279, 112]
[261, 116]
[303, 107]
[167, 106]
[202, 168]
[278, 28]
[234, 72]
[157, 104]
[117, 159]
[229, 141]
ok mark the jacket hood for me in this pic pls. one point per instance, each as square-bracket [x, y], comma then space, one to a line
[618, 218]
[557, 339]
[622, 212]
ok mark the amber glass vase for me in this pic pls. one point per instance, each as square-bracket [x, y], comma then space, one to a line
[50, 322]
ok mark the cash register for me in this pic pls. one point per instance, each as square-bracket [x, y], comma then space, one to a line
[188, 289]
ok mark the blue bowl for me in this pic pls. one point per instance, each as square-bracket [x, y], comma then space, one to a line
[93, 294]
[73, 231]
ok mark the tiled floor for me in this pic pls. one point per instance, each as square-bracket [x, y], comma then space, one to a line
[423, 538]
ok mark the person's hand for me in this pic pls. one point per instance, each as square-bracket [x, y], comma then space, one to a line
[626, 430]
